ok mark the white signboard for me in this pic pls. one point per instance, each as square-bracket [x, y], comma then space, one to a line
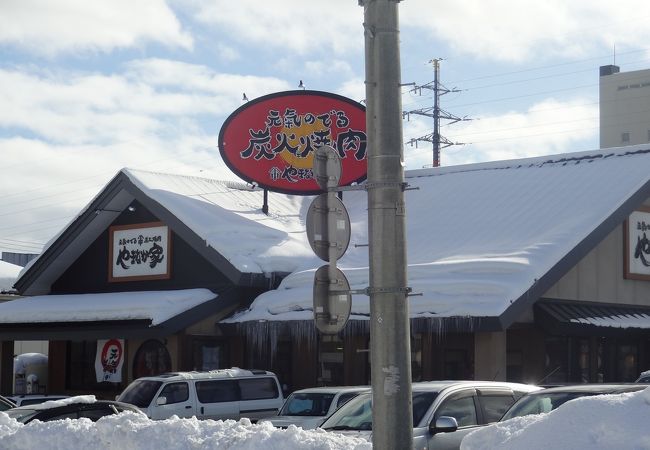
[139, 252]
[109, 360]
[637, 245]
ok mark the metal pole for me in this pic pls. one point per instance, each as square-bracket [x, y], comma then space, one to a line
[436, 114]
[390, 355]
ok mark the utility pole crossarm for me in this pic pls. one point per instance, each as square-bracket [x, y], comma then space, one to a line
[436, 113]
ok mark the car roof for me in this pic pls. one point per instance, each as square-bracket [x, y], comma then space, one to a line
[66, 402]
[332, 389]
[234, 372]
[448, 384]
[593, 388]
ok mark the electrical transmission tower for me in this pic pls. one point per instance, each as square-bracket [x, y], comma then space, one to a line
[438, 141]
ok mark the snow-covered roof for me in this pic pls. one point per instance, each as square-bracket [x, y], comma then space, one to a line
[8, 275]
[481, 236]
[156, 306]
[228, 217]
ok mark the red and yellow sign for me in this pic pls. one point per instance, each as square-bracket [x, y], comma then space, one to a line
[271, 140]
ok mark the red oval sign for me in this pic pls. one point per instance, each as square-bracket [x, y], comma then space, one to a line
[271, 140]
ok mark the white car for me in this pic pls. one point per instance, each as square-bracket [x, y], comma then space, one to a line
[307, 408]
[443, 411]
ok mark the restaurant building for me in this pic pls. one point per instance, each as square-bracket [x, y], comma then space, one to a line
[533, 270]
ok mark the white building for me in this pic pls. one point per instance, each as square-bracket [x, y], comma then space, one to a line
[624, 107]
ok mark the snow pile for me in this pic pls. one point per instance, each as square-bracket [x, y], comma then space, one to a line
[603, 422]
[132, 431]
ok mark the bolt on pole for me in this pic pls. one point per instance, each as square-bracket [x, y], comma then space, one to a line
[390, 355]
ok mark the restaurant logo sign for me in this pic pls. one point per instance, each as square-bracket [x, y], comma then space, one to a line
[271, 140]
[637, 245]
[139, 252]
[109, 360]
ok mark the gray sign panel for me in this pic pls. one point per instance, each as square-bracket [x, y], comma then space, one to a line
[328, 227]
[327, 167]
[332, 300]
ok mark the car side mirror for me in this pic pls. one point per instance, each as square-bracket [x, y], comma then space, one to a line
[161, 401]
[443, 424]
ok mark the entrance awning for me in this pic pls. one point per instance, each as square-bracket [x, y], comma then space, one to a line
[141, 314]
[572, 317]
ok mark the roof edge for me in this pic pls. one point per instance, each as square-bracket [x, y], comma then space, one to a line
[554, 274]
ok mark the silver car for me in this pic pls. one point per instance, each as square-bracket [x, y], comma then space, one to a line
[307, 408]
[443, 411]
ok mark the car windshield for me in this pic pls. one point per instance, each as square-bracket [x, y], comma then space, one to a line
[140, 392]
[20, 414]
[541, 403]
[5, 404]
[357, 413]
[307, 404]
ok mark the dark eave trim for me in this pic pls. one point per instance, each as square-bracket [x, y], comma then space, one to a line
[554, 321]
[119, 329]
[121, 182]
[571, 259]
[69, 234]
[92, 330]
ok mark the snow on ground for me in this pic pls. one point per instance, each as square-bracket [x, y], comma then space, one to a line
[131, 431]
[603, 422]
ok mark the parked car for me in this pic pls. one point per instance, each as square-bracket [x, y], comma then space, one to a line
[644, 377]
[551, 398]
[6, 404]
[307, 408]
[33, 399]
[443, 411]
[217, 394]
[70, 408]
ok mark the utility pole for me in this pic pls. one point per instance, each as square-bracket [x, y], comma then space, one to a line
[390, 353]
[437, 140]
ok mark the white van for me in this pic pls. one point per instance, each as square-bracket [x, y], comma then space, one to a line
[217, 394]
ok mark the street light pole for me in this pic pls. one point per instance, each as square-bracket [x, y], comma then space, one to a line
[390, 355]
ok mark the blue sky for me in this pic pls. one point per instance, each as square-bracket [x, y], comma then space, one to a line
[90, 87]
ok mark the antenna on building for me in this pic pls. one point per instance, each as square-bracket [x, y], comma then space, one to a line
[438, 141]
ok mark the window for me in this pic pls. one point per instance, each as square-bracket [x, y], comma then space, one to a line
[461, 407]
[515, 365]
[495, 405]
[626, 362]
[330, 361]
[97, 413]
[307, 404]
[625, 137]
[556, 361]
[258, 388]
[208, 354]
[175, 393]
[455, 365]
[152, 358]
[217, 391]
[80, 367]
[345, 397]
[648, 135]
